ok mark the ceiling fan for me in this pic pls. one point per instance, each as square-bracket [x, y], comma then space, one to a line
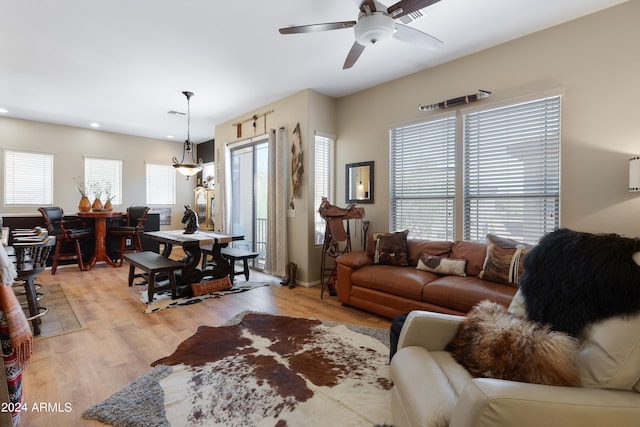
[375, 23]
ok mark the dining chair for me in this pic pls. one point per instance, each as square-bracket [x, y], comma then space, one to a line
[133, 228]
[65, 231]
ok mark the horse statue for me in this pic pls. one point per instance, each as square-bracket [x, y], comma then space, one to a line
[190, 219]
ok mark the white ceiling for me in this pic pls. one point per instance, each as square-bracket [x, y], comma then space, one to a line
[124, 63]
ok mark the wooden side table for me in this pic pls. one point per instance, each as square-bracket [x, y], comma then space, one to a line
[100, 232]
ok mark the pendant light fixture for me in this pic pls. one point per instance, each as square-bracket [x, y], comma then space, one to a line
[188, 169]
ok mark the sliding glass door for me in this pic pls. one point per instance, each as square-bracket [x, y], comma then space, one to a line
[249, 172]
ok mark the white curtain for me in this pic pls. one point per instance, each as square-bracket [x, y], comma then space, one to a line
[277, 257]
[223, 190]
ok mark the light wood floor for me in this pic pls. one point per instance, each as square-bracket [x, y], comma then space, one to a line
[120, 341]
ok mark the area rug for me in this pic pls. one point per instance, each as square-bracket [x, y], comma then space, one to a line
[162, 300]
[266, 370]
[61, 318]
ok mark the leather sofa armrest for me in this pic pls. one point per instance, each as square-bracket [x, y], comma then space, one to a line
[486, 402]
[427, 329]
[355, 259]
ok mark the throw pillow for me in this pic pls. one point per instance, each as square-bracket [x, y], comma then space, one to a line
[391, 249]
[491, 342]
[215, 285]
[503, 263]
[440, 265]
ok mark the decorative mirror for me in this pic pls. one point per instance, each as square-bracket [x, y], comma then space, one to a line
[359, 182]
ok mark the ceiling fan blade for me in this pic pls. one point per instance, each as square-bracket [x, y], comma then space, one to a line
[362, 3]
[312, 28]
[416, 37]
[405, 7]
[354, 54]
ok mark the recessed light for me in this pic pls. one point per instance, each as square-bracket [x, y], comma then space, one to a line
[3, 111]
[95, 125]
[170, 136]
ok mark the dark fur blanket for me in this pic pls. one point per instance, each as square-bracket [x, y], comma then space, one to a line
[571, 279]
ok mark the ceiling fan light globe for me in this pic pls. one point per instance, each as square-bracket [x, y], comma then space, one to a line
[373, 28]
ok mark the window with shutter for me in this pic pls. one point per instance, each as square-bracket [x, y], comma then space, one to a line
[28, 178]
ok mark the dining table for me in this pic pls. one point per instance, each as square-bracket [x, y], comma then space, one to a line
[191, 244]
[100, 234]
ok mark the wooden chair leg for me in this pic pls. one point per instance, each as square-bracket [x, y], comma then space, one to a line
[152, 282]
[245, 269]
[138, 243]
[131, 274]
[79, 254]
[120, 254]
[32, 302]
[172, 283]
[54, 266]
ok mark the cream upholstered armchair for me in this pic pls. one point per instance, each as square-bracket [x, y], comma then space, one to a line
[432, 389]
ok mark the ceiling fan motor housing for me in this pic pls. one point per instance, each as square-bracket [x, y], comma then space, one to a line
[370, 29]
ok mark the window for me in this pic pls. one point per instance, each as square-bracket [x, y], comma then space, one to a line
[512, 171]
[509, 173]
[161, 184]
[324, 182]
[103, 179]
[422, 174]
[28, 178]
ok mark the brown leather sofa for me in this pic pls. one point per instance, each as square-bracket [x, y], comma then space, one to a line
[390, 290]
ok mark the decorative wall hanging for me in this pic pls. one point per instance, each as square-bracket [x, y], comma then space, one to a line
[254, 120]
[456, 101]
[296, 164]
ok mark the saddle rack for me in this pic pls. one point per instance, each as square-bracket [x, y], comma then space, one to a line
[337, 240]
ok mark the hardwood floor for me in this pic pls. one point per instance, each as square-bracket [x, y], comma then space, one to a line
[69, 373]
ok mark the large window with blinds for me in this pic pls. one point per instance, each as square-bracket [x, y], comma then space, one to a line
[161, 184]
[507, 181]
[422, 174]
[324, 179]
[512, 171]
[28, 178]
[103, 179]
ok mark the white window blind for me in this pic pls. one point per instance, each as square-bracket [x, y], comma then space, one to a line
[161, 184]
[324, 179]
[103, 178]
[422, 175]
[512, 171]
[28, 178]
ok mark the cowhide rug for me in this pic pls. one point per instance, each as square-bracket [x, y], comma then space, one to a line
[264, 371]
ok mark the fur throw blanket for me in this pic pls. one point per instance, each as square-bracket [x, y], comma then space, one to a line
[572, 279]
[493, 343]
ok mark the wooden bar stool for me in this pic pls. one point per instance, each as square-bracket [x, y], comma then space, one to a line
[31, 259]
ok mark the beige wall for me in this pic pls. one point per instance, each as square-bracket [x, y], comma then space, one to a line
[70, 144]
[594, 59]
[314, 112]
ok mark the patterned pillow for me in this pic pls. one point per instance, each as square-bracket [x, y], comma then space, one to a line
[391, 249]
[503, 263]
[440, 265]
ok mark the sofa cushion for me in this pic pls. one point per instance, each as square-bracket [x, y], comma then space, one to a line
[462, 293]
[441, 265]
[610, 354]
[391, 249]
[503, 263]
[417, 247]
[473, 252]
[402, 281]
[493, 343]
